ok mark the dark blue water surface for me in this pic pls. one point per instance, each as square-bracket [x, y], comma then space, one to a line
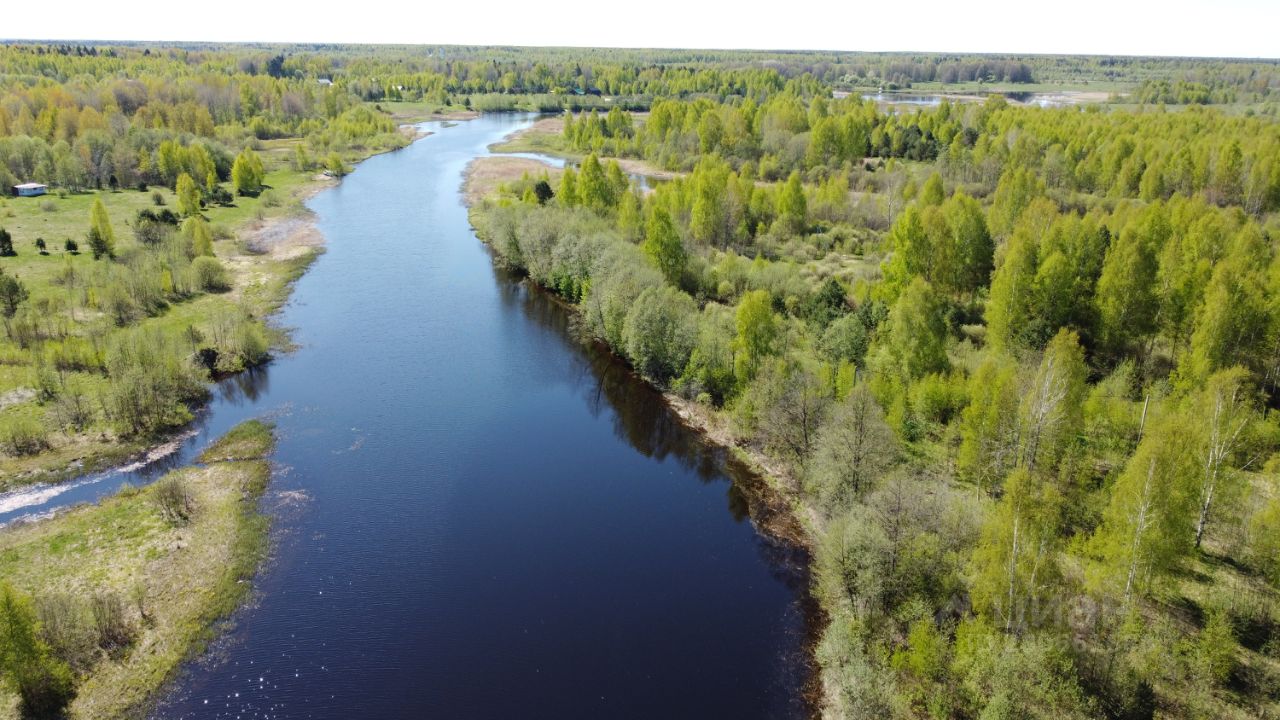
[478, 515]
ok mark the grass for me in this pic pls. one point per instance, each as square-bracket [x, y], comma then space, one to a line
[261, 283]
[543, 136]
[417, 111]
[177, 580]
[246, 441]
[486, 175]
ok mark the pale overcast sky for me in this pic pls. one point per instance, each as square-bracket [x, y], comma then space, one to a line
[1231, 28]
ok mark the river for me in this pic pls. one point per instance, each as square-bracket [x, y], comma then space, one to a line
[477, 514]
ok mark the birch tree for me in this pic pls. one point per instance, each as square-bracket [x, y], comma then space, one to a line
[1016, 561]
[1225, 408]
[1051, 414]
[1148, 525]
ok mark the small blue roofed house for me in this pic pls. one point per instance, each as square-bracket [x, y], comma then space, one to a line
[30, 189]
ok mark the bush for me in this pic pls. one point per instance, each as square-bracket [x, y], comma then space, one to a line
[157, 198]
[152, 383]
[48, 206]
[64, 627]
[209, 275]
[22, 436]
[174, 498]
[72, 411]
[115, 631]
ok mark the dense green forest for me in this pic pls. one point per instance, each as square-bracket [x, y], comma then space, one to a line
[1018, 365]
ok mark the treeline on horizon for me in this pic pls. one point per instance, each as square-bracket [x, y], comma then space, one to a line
[405, 72]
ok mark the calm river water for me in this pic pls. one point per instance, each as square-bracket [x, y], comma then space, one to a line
[478, 516]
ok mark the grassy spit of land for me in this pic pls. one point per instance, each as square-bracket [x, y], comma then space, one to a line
[123, 591]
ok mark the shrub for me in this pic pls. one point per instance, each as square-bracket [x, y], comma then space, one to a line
[115, 631]
[173, 496]
[22, 436]
[157, 198]
[65, 628]
[152, 383]
[209, 275]
[72, 411]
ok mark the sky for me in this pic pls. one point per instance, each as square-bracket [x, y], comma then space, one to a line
[1211, 28]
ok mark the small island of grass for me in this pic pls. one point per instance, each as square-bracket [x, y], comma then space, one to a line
[100, 605]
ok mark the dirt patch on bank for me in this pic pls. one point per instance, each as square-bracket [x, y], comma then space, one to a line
[283, 238]
[542, 126]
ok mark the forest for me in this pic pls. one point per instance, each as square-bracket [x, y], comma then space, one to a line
[1017, 365]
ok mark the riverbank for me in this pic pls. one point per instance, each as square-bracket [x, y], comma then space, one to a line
[264, 243]
[127, 589]
[774, 497]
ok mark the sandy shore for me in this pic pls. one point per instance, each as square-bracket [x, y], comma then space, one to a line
[484, 174]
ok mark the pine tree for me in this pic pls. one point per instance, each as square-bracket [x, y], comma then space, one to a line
[43, 684]
[188, 195]
[102, 239]
[196, 230]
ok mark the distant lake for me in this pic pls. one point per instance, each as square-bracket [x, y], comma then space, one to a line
[1059, 99]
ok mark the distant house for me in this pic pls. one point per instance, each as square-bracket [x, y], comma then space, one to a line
[325, 81]
[30, 189]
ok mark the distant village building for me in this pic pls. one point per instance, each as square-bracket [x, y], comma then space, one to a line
[30, 189]
[325, 81]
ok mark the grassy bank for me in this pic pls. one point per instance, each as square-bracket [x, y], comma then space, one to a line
[57, 415]
[166, 561]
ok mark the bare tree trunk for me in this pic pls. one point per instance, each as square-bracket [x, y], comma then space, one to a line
[1139, 527]
[1013, 575]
